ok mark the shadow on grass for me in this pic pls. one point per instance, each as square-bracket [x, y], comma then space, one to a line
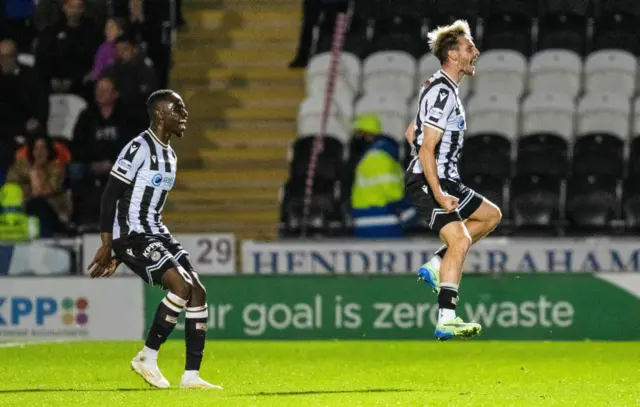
[260, 394]
[313, 392]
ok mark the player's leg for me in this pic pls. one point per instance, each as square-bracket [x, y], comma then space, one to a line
[147, 256]
[456, 236]
[197, 318]
[483, 220]
[196, 321]
[480, 217]
[179, 285]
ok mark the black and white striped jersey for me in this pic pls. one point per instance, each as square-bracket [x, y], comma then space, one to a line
[149, 167]
[440, 108]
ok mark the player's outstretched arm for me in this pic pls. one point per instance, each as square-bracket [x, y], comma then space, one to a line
[103, 264]
[428, 161]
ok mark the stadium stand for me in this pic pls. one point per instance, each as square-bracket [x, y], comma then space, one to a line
[551, 137]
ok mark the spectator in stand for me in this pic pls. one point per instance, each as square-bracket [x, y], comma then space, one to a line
[41, 177]
[101, 132]
[312, 11]
[106, 55]
[65, 51]
[151, 28]
[24, 104]
[134, 75]
[17, 22]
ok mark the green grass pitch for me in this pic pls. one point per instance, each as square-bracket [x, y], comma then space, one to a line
[331, 373]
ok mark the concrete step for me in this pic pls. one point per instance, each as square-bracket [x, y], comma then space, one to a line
[272, 77]
[255, 232]
[238, 219]
[238, 179]
[211, 19]
[267, 158]
[229, 207]
[248, 139]
[202, 111]
[289, 97]
[235, 58]
[240, 33]
[235, 192]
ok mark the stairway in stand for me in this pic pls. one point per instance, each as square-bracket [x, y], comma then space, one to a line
[230, 66]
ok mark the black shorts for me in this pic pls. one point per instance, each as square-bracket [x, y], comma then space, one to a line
[430, 211]
[150, 256]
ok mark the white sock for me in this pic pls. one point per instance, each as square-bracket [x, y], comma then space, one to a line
[435, 262]
[190, 374]
[149, 353]
[446, 314]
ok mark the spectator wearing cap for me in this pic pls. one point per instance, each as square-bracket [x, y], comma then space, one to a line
[134, 75]
[24, 104]
[65, 50]
[380, 209]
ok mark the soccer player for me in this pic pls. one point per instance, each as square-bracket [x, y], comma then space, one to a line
[460, 215]
[131, 226]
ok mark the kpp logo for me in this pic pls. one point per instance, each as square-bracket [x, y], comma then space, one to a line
[19, 310]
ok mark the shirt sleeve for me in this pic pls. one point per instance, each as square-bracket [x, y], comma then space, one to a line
[129, 162]
[436, 107]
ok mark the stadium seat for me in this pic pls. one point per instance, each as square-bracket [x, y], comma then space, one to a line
[508, 25]
[64, 110]
[501, 71]
[615, 26]
[508, 32]
[592, 203]
[486, 154]
[329, 164]
[595, 153]
[548, 112]
[492, 188]
[604, 113]
[323, 220]
[535, 203]
[631, 204]
[311, 113]
[633, 161]
[611, 71]
[443, 12]
[391, 110]
[556, 71]
[390, 71]
[411, 44]
[563, 24]
[429, 65]
[490, 112]
[348, 74]
[543, 154]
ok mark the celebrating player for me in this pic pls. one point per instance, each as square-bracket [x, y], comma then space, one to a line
[131, 225]
[459, 214]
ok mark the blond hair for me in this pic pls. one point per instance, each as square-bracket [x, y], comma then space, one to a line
[444, 39]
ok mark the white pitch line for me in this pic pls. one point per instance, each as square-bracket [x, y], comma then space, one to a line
[23, 344]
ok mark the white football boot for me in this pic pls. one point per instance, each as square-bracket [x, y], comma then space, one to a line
[147, 368]
[192, 380]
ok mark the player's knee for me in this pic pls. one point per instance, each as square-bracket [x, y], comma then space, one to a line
[181, 288]
[495, 216]
[457, 237]
[199, 294]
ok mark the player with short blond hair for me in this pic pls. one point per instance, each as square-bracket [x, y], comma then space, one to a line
[460, 215]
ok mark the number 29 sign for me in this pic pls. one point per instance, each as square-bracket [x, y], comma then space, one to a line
[211, 254]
